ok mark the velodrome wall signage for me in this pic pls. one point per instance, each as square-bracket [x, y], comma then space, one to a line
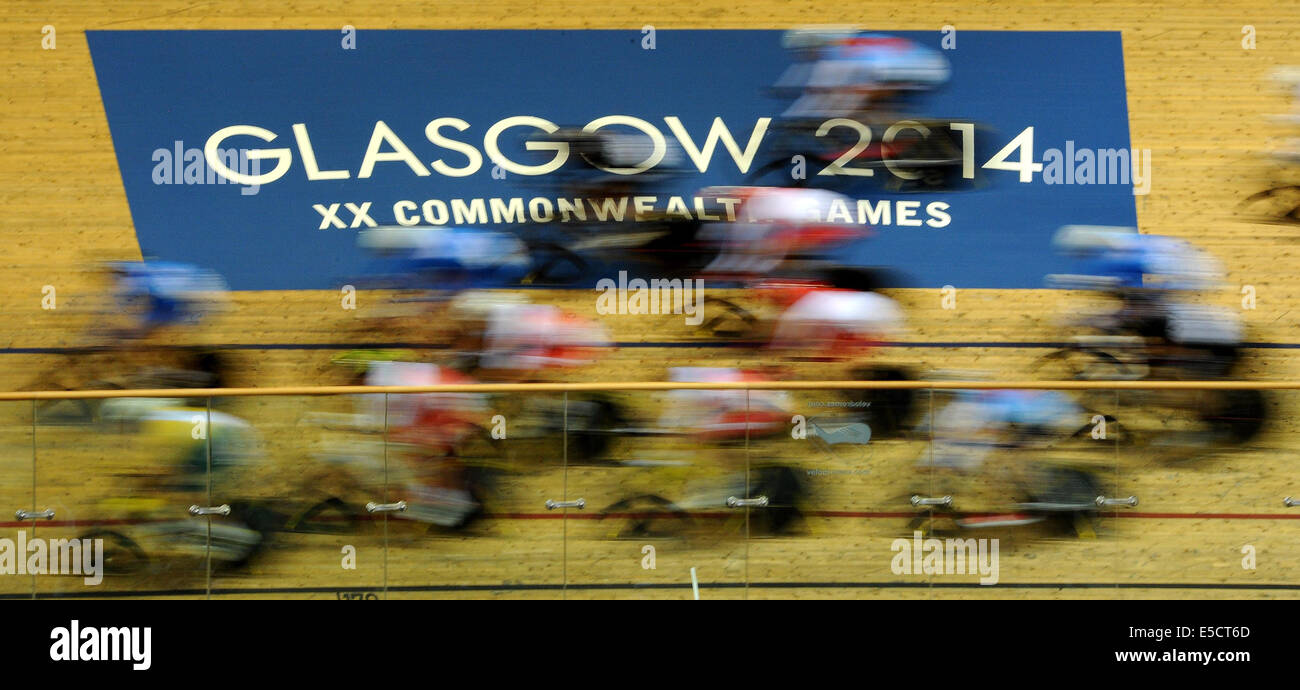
[262, 153]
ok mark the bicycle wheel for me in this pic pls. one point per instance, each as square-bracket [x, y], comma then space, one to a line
[330, 516]
[591, 421]
[122, 555]
[931, 163]
[781, 486]
[887, 411]
[73, 412]
[1239, 415]
[554, 265]
[1082, 364]
[1279, 205]
[480, 452]
[780, 172]
[648, 516]
[730, 321]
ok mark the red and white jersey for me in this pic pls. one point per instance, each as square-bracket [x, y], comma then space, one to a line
[719, 414]
[774, 222]
[528, 337]
[439, 412]
[838, 323]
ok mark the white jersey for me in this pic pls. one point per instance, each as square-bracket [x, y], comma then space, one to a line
[825, 315]
[1196, 324]
[1179, 265]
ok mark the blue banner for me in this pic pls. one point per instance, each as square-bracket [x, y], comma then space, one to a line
[261, 154]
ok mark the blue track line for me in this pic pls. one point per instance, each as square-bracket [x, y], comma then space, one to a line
[717, 344]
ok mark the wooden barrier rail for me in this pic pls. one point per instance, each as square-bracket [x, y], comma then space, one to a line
[650, 386]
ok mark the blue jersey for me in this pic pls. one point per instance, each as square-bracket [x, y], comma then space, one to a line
[170, 290]
[1030, 408]
[470, 256]
[1130, 257]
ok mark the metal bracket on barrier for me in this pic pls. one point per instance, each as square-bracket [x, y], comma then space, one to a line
[398, 507]
[1103, 502]
[47, 514]
[579, 504]
[760, 502]
[222, 509]
[945, 501]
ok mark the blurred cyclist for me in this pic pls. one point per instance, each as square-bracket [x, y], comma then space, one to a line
[843, 72]
[1149, 274]
[510, 338]
[1154, 279]
[1289, 78]
[774, 224]
[195, 453]
[721, 415]
[839, 319]
[448, 258]
[428, 428]
[607, 163]
[978, 422]
[160, 294]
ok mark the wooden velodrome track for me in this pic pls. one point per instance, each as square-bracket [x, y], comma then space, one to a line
[1196, 98]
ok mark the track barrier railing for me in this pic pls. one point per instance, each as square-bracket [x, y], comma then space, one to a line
[90, 487]
[647, 386]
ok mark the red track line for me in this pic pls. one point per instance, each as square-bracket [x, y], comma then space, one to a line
[76, 523]
[1213, 516]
